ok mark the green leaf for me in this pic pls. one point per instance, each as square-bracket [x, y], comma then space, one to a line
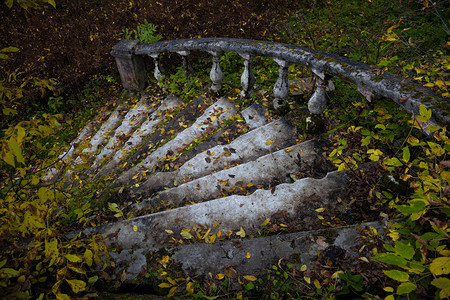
[76, 285]
[416, 206]
[10, 272]
[78, 270]
[8, 157]
[390, 259]
[443, 284]
[52, 3]
[9, 3]
[15, 149]
[404, 249]
[93, 279]
[72, 258]
[406, 154]
[62, 297]
[88, 257]
[406, 288]
[9, 49]
[425, 114]
[440, 266]
[397, 275]
[249, 286]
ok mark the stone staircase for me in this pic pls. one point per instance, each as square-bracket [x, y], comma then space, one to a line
[218, 172]
[207, 181]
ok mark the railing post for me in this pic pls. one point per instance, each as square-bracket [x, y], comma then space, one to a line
[131, 67]
[158, 73]
[216, 72]
[281, 87]
[187, 68]
[247, 78]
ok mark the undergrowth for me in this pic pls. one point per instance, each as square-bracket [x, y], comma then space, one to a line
[410, 259]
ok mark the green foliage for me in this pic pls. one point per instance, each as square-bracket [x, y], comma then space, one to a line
[144, 33]
[34, 4]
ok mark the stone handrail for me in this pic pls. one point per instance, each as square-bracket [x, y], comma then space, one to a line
[370, 81]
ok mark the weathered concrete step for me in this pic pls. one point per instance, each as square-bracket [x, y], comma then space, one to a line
[258, 142]
[167, 106]
[175, 124]
[254, 117]
[299, 200]
[250, 256]
[106, 130]
[275, 167]
[132, 120]
[213, 117]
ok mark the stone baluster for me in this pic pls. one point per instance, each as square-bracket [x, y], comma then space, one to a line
[216, 72]
[158, 73]
[247, 78]
[318, 101]
[281, 87]
[187, 68]
[131, 67]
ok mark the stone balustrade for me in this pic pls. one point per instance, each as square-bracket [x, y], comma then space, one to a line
[371, 81]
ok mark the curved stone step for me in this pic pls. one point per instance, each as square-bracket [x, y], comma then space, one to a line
[298, 200]
[212, 118]
[168, 105]
[102, 135]
[258, 142]
[274, 167]
[132, 120]
[299, 248]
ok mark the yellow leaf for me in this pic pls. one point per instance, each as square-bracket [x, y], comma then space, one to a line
[135, 228]
[336, 274]
[321, 209]
[173, 291]
[239, 295]
[250, 184]
[189, 288]
[248, 255]
[250, 277]
[288, 150]
[266, 221]
[220, 276]
[303, 268]
[173, 282]
[317, 284]
[76, 285]
[241, 233]
[307, 279]
[169, 231]
[186, 235]
[388, 289]
[164, 285]
[364, 259]
[88, 257]
[268, 142]
[62, 297]
[165, 260]
[440, 266]
[72, 258]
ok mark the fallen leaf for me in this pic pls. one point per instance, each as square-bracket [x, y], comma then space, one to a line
[321, 241]
[241, 233]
